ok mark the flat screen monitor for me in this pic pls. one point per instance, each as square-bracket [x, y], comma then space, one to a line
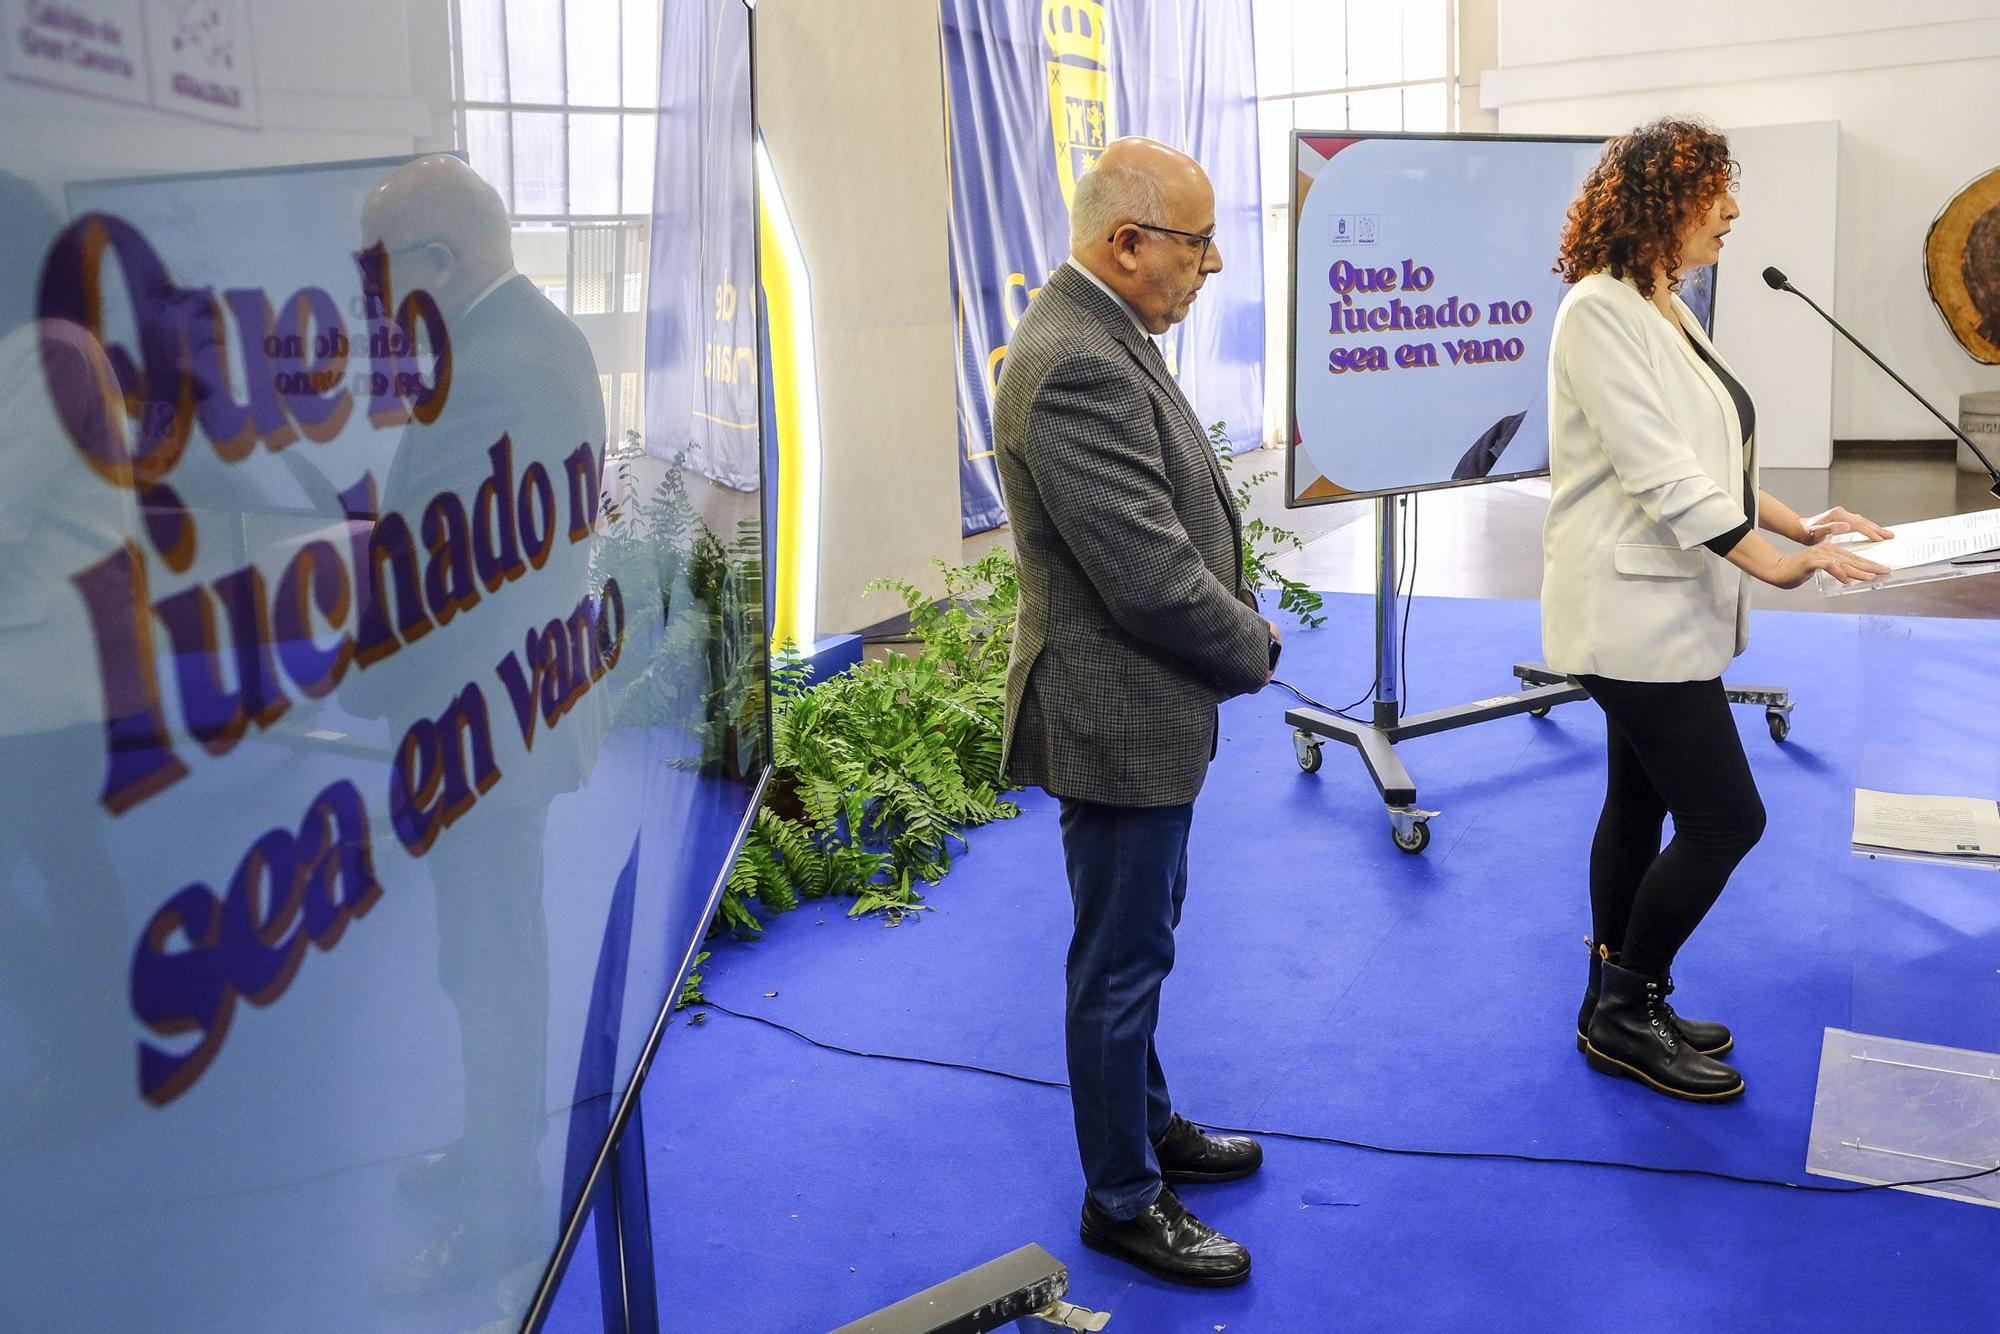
[380, 722]
[1423, 293]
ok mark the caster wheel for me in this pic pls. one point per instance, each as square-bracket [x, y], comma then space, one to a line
[1416, 840]
[1781, 725]
[1538, 713]
[1307, 749]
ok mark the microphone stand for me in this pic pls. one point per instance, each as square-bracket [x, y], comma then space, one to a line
[1784, 284]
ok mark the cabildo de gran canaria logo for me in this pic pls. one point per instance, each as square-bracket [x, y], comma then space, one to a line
[1079, 86]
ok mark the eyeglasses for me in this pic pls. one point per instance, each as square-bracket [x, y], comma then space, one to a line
[415, 248]
[1206, 238]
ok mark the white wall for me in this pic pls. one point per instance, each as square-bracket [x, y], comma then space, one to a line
[1790, 200]
[1478, 34]
[853, 114]
[1911, 88]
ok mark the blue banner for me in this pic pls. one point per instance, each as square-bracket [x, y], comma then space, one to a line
[1035, 92]
[701, 311]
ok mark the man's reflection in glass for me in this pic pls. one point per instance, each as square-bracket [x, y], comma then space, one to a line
[522, 370]
[62, 970]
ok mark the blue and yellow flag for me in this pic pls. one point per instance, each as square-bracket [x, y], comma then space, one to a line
[1036, 90]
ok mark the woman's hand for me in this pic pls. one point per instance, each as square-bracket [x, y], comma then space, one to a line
[1797, 567]
[1840, 520]
[1760, 560]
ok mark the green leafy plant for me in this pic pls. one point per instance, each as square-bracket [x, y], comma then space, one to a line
[691, 987]
[878, 772]
[1264, 542]
[972, 628]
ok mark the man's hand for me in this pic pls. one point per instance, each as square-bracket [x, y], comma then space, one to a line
[1839, 520]
[1277, 641]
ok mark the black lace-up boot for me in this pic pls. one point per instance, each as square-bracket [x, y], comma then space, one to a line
[1633, 1033]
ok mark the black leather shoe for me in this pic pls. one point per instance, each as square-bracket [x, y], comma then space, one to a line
[1188, 1155]
[1705, 1036]
[1631, 1034]
[1167, 1241]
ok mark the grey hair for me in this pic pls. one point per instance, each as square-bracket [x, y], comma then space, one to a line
[1110, 195]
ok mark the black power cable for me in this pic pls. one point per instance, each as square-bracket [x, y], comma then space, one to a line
[1310, 702]
[1406, 588]
[1393, 1150]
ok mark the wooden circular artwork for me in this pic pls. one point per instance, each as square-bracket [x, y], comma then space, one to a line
[1962, 267]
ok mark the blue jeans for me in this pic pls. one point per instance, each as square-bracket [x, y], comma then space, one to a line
[1127, 877]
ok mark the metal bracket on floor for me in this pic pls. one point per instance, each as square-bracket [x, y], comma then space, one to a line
[1019, 1286]
[1067, 1315]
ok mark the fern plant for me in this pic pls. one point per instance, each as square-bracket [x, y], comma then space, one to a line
[972, 628]
[878, 772]
[691, 993]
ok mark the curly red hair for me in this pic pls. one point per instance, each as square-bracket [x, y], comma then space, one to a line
[1640, 199]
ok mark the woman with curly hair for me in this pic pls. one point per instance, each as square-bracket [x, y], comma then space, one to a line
[1649, 548]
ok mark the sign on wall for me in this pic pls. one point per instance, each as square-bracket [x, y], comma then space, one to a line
[187, 57]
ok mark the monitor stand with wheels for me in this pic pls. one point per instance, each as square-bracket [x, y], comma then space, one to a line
[1409, 824]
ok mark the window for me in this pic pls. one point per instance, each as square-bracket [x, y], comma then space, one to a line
[1337, 65]
[558, 107]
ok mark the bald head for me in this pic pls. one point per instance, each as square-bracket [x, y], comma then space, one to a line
[444, 227]
[1129, 182]
[1135, 220]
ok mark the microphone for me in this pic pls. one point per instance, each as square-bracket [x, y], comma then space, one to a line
[1777, 281]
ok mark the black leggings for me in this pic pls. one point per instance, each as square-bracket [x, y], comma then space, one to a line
[1673, 749]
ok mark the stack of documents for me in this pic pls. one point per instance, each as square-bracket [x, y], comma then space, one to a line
[1947, 548]
[1962, 830]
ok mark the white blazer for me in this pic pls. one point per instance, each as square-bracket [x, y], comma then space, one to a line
[1646, 463]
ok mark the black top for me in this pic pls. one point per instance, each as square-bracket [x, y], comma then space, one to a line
[1746, 413]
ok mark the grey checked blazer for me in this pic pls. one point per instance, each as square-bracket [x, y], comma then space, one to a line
[1134, 620]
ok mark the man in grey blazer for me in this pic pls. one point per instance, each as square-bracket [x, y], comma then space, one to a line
[1135, 623]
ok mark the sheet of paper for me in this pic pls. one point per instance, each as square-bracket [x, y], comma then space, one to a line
[1961, 567]
[1941, 826]
[1932, 540]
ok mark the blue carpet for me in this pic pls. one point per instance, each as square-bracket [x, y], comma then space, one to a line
[1329, 984]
